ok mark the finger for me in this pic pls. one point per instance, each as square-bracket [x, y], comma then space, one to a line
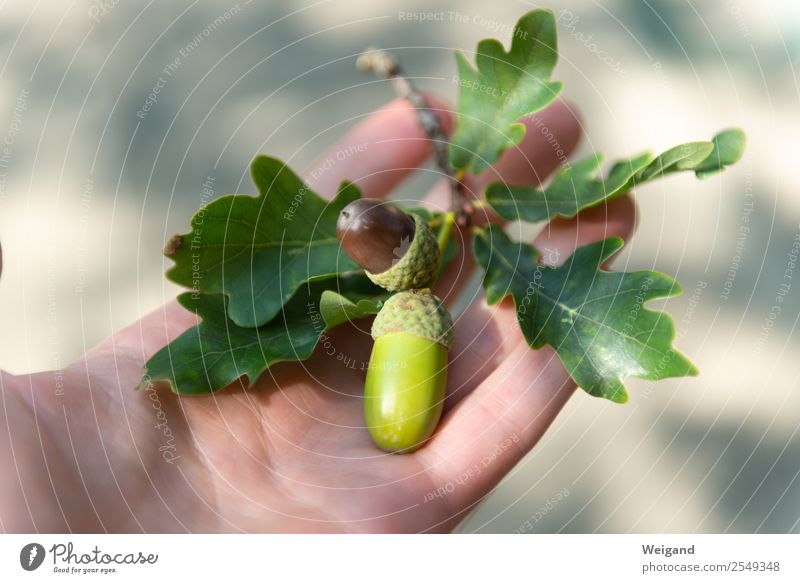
[550, 137]
[507, 413]
[380, 151]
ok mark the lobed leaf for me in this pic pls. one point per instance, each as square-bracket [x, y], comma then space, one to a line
[729, 147]
[503, 88]
[217, 351]
[683, 157]
[258, 251]
[594, 319]
[577, 187]
[572, 189]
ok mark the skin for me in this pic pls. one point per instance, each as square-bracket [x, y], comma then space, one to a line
[81, 451]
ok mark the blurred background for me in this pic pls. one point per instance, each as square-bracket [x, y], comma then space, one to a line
[95, 174]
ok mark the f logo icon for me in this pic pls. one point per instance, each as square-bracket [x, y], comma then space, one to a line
[31, 556]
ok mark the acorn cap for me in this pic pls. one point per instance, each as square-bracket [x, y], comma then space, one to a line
[415, 312]
[417, 267]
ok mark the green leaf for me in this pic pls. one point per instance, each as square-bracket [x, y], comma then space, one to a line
[217, 352]
[363, 298]
[594, 319]
[577, 187]
[684, 157]
[337, 309]
[728, 149]
[573, 188]
[503, 88]
[258, 251]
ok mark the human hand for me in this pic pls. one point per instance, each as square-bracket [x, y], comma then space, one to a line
[83, 451]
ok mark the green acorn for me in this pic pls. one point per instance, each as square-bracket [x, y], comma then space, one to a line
[398, 251]
[407, 376]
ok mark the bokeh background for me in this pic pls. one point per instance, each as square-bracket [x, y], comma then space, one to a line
[89, 192]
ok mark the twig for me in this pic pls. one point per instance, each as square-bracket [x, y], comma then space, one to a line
[386, 66]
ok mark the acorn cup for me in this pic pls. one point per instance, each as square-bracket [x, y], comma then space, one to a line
[407, 376]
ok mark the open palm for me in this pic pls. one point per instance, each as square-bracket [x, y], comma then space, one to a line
[85, 452]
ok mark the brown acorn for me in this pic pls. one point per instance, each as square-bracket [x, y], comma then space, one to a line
[397, 250]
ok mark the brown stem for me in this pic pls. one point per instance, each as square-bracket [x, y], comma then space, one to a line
[386, 66]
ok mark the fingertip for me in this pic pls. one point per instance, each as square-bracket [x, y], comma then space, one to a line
[380, 151]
